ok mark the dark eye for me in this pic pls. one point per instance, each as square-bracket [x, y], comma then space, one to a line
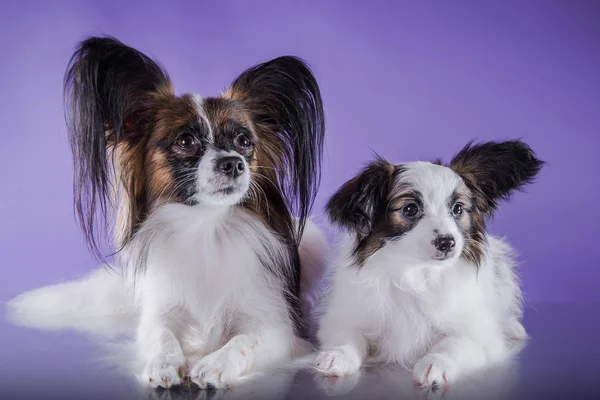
[410, 210]
[243, 140]
[457, 209]
[186, 141]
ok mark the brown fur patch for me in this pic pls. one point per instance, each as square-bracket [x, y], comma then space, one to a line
[159, 175]
[144, 170]
[168, 116]
[470, 224]
[473, 224]
[389, 223]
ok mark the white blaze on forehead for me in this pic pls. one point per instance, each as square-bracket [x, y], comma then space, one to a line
[435, 183]
[199, 103]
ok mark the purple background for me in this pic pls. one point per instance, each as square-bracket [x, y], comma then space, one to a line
[409, 80]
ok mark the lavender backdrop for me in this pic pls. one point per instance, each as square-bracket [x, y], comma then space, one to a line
[409, 80]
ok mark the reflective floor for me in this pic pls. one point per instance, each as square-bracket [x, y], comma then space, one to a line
[562, 360]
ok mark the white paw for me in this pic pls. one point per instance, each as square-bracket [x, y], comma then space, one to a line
[220, 369]
[435, 370]
[164, 371]
[339, 361]
[515, 330]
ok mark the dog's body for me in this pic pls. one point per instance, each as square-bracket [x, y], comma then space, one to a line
[211, 198]
[418, 280]
[217, 300]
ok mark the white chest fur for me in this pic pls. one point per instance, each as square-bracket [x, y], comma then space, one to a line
[208, 265]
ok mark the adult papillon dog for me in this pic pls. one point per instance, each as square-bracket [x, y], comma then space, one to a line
[418, 280]
[208, 199]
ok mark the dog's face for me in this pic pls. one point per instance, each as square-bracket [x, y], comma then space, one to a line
[427, 213]
[427, 217]
[224, 171]
[202, 151]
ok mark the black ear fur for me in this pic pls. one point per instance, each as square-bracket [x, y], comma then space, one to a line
[106, 85]
[356, 203]
[285, 101]
[494, 170]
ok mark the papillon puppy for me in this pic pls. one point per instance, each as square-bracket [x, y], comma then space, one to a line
[418, 280]
[208, 198]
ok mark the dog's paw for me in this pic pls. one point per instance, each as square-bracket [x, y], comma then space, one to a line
[515, 330]
[435, 370]
[164, 371]
[220, 369]
[339, 361]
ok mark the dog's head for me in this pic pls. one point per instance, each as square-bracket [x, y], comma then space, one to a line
[428, 212]
[258, 145]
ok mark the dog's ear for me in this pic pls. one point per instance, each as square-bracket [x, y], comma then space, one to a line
[109, 89]
[284, 100]
[357, 202]
[494, 170]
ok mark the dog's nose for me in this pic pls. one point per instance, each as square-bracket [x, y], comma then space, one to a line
[231, 165]
[445, 243]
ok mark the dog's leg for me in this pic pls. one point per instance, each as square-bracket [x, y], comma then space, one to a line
[342, 359]
[454, 355]
[159, 346]
[244, 353]
[343, 345]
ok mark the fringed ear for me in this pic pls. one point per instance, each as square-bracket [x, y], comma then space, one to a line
[108, 88]
[284, 100]
[494, 170]
[356, 203]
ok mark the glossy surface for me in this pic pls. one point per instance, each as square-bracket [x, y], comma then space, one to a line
[561, 360]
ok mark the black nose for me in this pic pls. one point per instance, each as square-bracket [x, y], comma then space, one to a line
[444, 243]
[232, 166]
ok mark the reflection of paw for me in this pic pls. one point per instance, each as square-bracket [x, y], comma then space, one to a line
[340, 361]
[164, 371]
[515, 330]
[435, 370]
[210, 395]
[433, 392]
[220, 369]
[336, 386]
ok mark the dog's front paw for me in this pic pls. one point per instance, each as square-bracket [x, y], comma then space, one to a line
[339, 361]
[435, 370]
[220, 369]
[164, 371]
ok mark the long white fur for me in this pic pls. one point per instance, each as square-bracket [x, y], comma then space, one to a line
[442, 319]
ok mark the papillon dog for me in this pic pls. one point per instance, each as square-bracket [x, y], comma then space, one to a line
[418, 281]
[208, 200]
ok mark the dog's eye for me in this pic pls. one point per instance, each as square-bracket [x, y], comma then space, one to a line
[410, 210]
[243, 140]
[186, 141]
[457, 209]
